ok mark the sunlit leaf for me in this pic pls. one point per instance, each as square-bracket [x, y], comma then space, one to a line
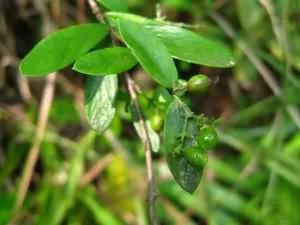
[61, 48]
[150, 52]
[191, 47]
[105, 62]
[182, 44]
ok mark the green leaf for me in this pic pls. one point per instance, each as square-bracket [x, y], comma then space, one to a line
[153, 136]
[191, 47]
[182, 44]
[113, 18]
[61, 48]
[150, 52]
[105, 62]
[178, 123]
[115, 5]
[100, 95]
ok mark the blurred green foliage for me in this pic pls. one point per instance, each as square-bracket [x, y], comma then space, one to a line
[252, 177]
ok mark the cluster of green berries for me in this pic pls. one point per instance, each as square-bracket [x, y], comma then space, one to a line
[197, 84]
[207, 139]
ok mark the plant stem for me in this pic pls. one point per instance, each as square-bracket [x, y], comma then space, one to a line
[151, 196]
[96, 10]
[95, 170]
[151, 193]
[35, 149]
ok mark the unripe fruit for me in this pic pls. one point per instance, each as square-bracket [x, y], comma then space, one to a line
[207, 138]
[198, 84]
[196, 156]
[157, 122]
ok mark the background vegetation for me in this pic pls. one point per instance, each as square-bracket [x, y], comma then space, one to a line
[252, 177]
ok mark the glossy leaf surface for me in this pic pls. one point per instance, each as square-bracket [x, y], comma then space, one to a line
[150, 52]
[191, 47]
[105, 62]
[182, 44]
[62, 48]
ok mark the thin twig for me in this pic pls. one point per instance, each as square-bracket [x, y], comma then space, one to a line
[274, 19]
[34, 151]
[10, 58]
[47, 98]
[151, 193]
[96, 169]
[115, 143]
[147, 145]
[159, 12]
[96, 10]
[260, 66]
[24, 88]
[22, 82]
[248, 170]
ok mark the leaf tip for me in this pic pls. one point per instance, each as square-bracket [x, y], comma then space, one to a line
[190, 188]
[231, 63]
[23, 69]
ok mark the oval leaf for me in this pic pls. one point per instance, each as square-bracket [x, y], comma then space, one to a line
[182, 44]
[61, 48]
[191, 47]
[150, 52]
[100, 93]
[178, 123]
[105, 62]
[115, 5]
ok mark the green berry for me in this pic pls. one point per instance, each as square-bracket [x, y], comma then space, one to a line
[198, 84]
[196, 156]
[207, 138]
[157, 122]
